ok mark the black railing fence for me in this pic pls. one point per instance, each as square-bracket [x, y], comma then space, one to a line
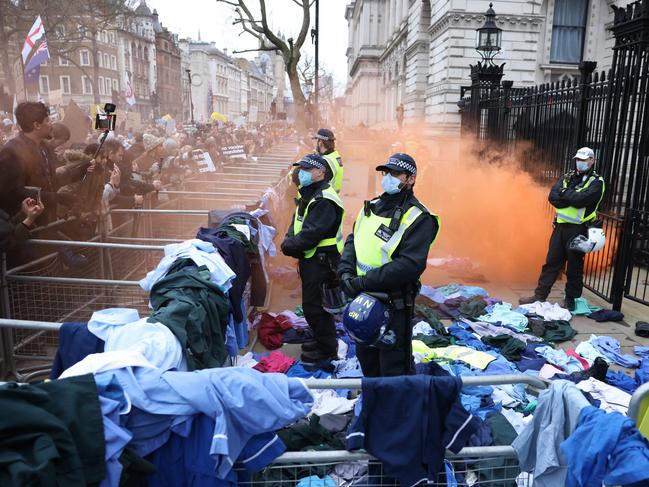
[608, 111]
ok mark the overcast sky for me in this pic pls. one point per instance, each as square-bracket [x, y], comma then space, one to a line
[186, 17]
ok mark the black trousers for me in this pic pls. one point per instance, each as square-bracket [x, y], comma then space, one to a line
[558, 255]
[314, 272]
[376, 362]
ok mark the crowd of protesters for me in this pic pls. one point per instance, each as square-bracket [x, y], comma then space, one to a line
[44, 177]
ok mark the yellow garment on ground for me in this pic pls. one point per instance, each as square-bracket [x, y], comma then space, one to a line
[643, 418]
[472, 357]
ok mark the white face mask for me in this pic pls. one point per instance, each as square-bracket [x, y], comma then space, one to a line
[390, 184]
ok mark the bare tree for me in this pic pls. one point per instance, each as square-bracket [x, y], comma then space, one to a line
[69, 24]
[269, 41]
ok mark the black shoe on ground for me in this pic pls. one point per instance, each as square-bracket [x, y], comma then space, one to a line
[530, 299]
[569, 304]
[597, 370]
[315, 356]
[309, 346]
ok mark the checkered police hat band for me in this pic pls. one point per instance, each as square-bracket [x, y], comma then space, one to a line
[314, 163]
[406, 166]
[321, 137]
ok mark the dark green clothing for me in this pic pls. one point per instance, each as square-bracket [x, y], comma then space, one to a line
[473, 308]
[430, 316]
[51, 434]
[237, 235]
[510, 347]
[434, 341]
[309, 435]
[493, 471]
[195, 310]
[558, 331]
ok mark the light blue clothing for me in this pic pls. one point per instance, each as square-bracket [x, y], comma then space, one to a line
[560, 359]
[642, 352]
[201, 253]
[243, 403]
[315, 481]
[499, 366]
[502, 313]
[610, 347]
[433, 294]
[555, 418]
[102, 322]
[474, 405]
[115, 437]
[459, 370]
[606, 448]
[583, 308]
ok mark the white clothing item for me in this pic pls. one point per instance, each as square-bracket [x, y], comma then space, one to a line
[590, 353]
[101, 362]
[548, 371]
[342, 349]
[549, 311]
[612, 398]
[103, 322]
[243, 229]
[422, 328]
[246, 360]
[524, 479]
[516, 419]
[501, 396]
[328, 402]
[154, 341]
[201, 253]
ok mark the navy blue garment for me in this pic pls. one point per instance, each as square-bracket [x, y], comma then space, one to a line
[185, 461]
[75, 343]
[642, 372]
[606, 315]
[467, 338]
[234, 255]
[530, 359]
[408, 422]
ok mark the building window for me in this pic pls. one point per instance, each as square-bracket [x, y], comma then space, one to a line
[115, 85]
[106, 61]
[44, 84]
[86, 86]
[104, 37]
[99, 60]
[113, 63]
[63, 61]
[60, 31]
[65, 84]
[84, 57]
[101, 85]
[109, 86]
[568, 29]
[111, 36]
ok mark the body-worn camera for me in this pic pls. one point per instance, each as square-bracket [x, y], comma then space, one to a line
[106, 120]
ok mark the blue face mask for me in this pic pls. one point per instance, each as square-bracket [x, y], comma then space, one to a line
[304, 178]
[390, 184]
[582, 166]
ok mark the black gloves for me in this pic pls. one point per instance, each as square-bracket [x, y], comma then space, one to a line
[352, 286]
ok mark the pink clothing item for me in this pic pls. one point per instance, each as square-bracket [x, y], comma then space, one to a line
[275, 362]
[571, 353]
[548, 371]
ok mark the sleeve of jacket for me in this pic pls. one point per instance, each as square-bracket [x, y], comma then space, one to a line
[555, 198]
[12, 177]
[321, 222]
[408, 260]
[588, 197]
[347, 263]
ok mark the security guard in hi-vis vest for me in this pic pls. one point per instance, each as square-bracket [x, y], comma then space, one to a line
[386, 253]
[325, 145]
[315, 238]
[576, 198]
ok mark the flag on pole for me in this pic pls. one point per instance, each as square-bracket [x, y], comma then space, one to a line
[35, 33]
[13, 110]
[129, 96]
[210, 101]
[33, 67]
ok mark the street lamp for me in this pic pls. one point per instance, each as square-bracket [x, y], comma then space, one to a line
[489, 37]
[191, 101]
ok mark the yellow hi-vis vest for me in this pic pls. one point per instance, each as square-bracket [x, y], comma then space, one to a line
[578, 216]
[298, 220]
[336, 165]
[374, 242]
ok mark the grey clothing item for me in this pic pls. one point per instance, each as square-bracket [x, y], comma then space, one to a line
[555, 418]
[490, 330]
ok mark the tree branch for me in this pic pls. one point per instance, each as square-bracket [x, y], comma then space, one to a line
[260, 49]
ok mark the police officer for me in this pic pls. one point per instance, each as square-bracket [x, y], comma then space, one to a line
[315, 238]
[387, 253]
[576, 197]
[325, 145]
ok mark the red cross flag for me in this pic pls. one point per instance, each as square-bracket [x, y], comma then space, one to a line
[35, 33]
